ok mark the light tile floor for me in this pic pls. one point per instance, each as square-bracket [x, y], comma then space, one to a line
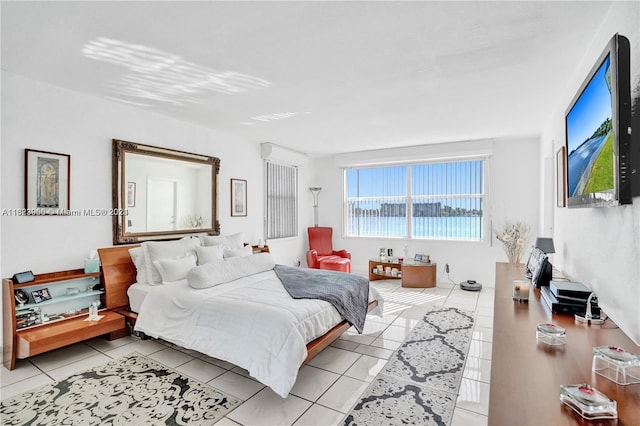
[327, 387]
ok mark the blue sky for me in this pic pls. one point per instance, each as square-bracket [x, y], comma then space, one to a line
[462, 177]
[592, 108]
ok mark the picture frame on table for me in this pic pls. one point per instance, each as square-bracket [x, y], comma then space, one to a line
[238, 197]
[47, 183]
[41, 295]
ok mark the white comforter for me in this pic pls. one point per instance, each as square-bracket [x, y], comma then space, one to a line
[251, 322]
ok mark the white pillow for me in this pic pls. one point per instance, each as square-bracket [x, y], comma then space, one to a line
[241, 252]
[173, 270]
[227, 241]
[157, 250]
[209, 254]
[138, 259]
[216, 273]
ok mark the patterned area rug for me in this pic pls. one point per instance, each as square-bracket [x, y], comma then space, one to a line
[420, 382]
[130, 390]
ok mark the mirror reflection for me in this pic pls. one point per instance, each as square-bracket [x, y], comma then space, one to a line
[165, 193]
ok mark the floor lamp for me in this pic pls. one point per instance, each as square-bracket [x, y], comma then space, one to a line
[315, 190]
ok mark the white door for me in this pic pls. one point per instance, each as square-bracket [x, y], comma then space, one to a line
[161, 204]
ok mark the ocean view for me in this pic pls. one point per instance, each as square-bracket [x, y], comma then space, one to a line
[445, 228]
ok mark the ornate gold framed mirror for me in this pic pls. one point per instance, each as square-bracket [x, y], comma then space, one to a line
[161, 193]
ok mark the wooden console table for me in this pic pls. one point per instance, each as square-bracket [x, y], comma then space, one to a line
[526, 376]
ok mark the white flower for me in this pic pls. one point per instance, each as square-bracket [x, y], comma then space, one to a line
[514, 238]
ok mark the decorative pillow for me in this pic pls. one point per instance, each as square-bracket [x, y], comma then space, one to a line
[173, 270]
[216, 273]
[138, 258]
[157, 250]
[234, 241]
[209, 254]
[241, 252]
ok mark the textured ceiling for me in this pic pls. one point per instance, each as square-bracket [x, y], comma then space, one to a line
[318, 77]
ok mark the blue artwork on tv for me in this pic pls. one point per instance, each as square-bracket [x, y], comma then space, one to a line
[590, 137]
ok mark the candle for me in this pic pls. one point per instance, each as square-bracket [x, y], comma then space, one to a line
[520, 290]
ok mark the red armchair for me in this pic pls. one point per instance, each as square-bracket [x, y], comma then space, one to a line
[321, 254]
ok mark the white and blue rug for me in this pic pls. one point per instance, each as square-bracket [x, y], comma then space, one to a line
[132, 390]
[419, 384]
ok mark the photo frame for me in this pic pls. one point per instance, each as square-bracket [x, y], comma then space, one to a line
[238, 197]
[47, 182]
[131, 194]
[41, 295]
[561, 170]
[21, 297]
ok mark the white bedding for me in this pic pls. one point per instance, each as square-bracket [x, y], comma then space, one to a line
[251, 322]
[137, 293]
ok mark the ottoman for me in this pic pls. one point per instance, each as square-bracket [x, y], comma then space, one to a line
[341, 264]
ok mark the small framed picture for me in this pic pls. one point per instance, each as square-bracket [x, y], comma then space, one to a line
[131, 194]
[238, 197]
[418, 257]
[21, 296]
[41, 295]
[561, 194]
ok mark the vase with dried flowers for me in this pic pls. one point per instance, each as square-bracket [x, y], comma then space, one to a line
[514, 237]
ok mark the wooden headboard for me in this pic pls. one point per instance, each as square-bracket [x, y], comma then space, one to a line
[118, 272]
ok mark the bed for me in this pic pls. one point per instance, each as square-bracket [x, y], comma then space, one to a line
[251, 321]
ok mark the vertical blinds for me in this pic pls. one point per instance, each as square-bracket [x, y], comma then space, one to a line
[439, 200]
[282, 201]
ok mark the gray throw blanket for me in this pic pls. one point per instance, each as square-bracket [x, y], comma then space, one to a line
[348, 293]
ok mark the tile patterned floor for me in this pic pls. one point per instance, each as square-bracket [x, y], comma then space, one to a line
[327, 387]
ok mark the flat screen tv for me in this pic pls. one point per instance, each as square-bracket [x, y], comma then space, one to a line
[598, 132]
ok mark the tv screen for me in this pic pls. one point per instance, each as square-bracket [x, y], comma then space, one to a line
[598, 132]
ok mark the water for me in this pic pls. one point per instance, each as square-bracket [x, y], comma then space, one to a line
[444, 228]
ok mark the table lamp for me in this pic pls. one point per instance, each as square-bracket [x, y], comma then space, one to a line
[545, 245]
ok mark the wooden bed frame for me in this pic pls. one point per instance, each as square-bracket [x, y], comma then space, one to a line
[118, 273]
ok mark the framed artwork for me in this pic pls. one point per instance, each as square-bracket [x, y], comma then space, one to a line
[238, 197]
[561, 170]
[41, 295]
[21, 297]
[131, 194]
[46, 182]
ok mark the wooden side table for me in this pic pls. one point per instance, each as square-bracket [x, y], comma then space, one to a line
[418, 275]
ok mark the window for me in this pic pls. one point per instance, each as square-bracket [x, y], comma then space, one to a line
[282, 200]
[440, 201]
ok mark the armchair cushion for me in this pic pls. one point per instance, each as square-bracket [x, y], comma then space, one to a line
[342, 253]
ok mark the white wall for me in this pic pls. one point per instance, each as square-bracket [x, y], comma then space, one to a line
[601, 246]
[39, 116]
[513, 185]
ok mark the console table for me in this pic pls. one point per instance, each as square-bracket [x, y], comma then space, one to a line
[526, 376]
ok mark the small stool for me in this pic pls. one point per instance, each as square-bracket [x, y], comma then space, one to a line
[341, 264]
